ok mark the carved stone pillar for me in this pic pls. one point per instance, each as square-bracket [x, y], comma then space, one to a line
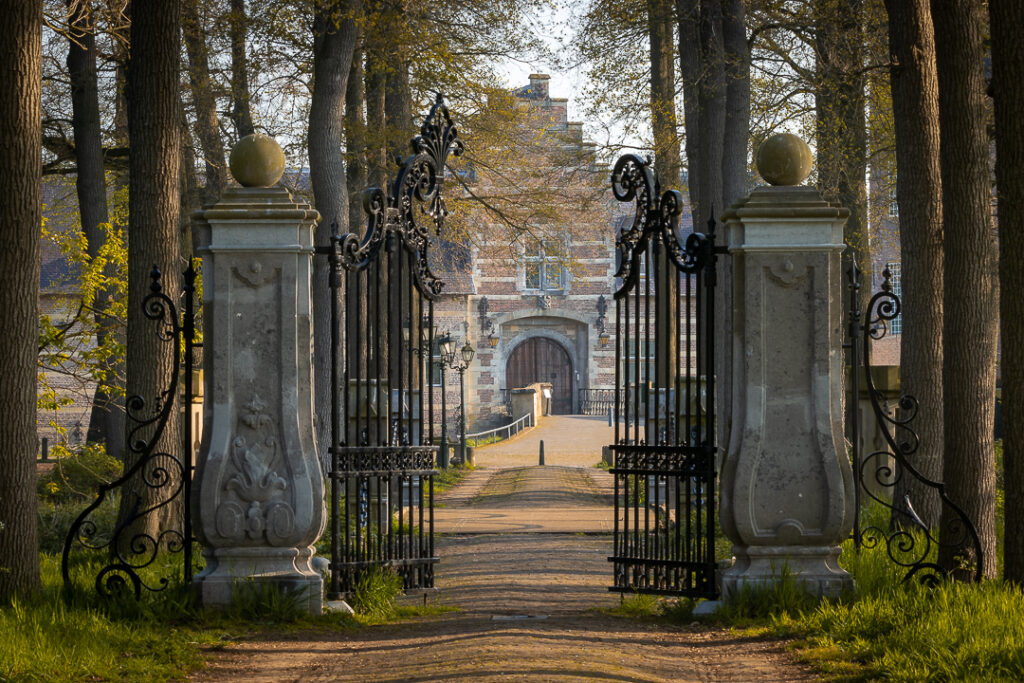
[786, 481]
[259, 494]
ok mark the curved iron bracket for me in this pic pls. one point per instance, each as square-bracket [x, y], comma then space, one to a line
[656, 217]
[419, 184]
[911, 546]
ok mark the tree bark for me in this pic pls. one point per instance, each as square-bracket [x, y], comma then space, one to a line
[376, 163]
[970, 288]
[840, 128]
[207, 126]
[21, 215]
[334, 41]
[736, 134]
[701, 65]
[663, 92]
[106, 420]
[154, 210]
[915, 104]
[1006, 16]
[355, 143]
[241, 112]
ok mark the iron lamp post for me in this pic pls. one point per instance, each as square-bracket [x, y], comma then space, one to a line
[446, 346]
[467, 357]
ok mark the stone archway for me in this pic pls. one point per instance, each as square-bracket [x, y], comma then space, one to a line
[539, 359]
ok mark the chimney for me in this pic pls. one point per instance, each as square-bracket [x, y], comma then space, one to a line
[539, 86]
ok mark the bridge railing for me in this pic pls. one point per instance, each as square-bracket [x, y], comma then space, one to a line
[491, 435]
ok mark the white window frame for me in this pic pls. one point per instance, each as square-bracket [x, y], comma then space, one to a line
[545, 264]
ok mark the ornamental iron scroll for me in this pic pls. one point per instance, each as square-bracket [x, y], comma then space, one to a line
[663, 402]
[418, 188]
[155, 479]
[909, 541]
[655, 218]
[384, 421]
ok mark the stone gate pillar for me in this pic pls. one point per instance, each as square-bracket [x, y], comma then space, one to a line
[786, 481]
[258, 496]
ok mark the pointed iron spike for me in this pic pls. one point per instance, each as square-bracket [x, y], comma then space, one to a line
[154, 275]
[711, 222]
[886, 280]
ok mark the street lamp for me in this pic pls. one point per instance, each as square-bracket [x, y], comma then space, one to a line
[467, 357]
[446, 345]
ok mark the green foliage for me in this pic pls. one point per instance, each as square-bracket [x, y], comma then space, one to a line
[54, 522]
[635, 606]
[266, 602]
[446, 479]
[77, 474]
[48, 639]
[375, 593]
[783, 596]
[95, 300]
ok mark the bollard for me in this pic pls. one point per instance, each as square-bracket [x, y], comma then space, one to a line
[442, 457]
[610, 416]
[542, 451]
[46, 448]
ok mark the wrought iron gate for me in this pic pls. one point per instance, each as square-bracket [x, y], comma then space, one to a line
[383, 436]
[664, 397]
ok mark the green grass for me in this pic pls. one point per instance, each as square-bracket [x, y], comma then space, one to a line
[447, 478]
[48, 639]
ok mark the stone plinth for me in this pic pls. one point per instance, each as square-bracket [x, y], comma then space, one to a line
[786, 481]
[258, 495]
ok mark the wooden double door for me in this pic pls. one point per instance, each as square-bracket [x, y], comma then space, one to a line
[541, 360]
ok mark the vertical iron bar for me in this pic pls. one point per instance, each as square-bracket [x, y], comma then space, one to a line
[189, 332]
[709, 477]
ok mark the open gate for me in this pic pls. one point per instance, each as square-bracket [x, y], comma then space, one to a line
[383, 418]
[664, 395]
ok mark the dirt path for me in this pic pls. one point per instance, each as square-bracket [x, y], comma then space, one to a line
[528, 611]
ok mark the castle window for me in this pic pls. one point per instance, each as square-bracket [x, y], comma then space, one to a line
[542, 268]
[894, 207]
[896, 277]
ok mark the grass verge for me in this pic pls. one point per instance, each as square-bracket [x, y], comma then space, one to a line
[882, 630]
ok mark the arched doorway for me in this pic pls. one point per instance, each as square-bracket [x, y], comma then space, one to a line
[541, 360]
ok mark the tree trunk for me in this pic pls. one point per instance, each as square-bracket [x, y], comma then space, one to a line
[840, 128]
[663, 91]
[355, 144]
[20, 214]
[1008, 85]
[241, 112]
[106, 420]
[376, 163]
[970, 288]
[207, 127]
[334, 40]
[736, 135]
[667, 168]
[915, 104]
[154, 209]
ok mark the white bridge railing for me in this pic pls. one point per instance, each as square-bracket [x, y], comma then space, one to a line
[490, 436]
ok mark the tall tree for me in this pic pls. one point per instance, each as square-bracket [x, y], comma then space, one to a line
[840, 124]
[663, 94]
[1008, 88]
[915, 104]
[241, 109]
[970, 292]
[355, 142]
[702, 67]
[334, 43]
[20, 214]
[106, 423]
[151, 93]
[207, 126]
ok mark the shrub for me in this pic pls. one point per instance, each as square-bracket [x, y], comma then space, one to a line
[77, 474]
[376, 591]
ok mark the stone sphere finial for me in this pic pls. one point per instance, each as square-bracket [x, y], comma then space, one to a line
[257, 161]
[784, 159]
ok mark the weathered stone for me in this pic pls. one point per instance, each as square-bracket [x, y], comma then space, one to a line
[258, 499]
[786, 481]
[784, 159]
[257, 161]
